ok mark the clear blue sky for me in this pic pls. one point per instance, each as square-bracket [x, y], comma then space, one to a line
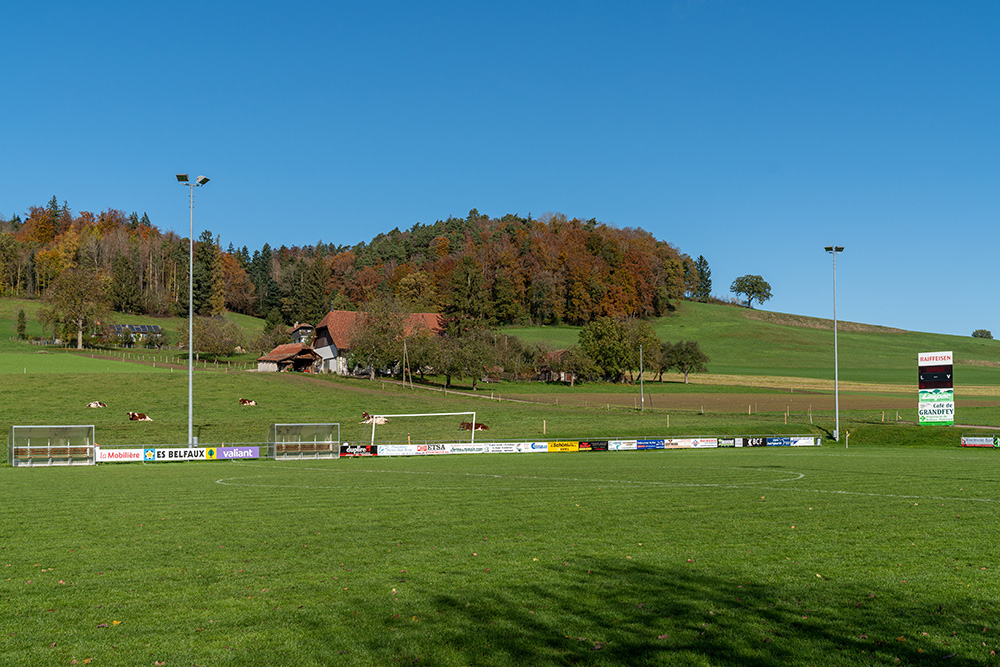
[753, 133]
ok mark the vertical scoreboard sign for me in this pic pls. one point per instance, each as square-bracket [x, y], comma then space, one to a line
[937, 394]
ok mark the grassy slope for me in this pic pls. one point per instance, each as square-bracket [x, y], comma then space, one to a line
[171, 325]
[740, 344]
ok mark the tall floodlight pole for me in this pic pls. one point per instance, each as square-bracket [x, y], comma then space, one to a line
[198, 182]
[833, 250]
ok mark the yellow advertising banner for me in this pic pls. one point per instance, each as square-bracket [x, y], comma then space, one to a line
[565, 446]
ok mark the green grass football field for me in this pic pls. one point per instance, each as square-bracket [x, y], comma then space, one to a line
[768, 557]
[882, 553]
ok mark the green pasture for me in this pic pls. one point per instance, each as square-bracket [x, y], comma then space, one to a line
[739, 343]
[172, 326]
[61, 398]
[44, 361]
[765, 557]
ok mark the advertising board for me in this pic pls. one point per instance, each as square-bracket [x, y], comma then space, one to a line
[978, 441]
[594, 446]
[936, 393]
[103, 455]
[397, 450]
[427, 450]
[622, 445]
[347, 451]
[468, 448]
[564, 446]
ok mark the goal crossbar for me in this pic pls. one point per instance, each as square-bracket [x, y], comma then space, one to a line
[429, 414]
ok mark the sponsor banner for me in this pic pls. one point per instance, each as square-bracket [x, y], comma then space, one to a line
[161, 454]
[358, 450]
[803, 441]
[779, 442]
[935, 359]
[979, 441]
[936, 406]
[468, 448]
[564, 446]
[505, 447]
[532, 447]
[622, 445]
[594, 446]
[650, 444]
[397, 450]
[118, 455]
[679, 443]
[730, 442]
[228, 453]
[705, 442]
[423, 450]
[755, 441]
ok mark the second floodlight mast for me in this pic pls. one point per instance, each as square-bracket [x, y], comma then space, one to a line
[198, 182]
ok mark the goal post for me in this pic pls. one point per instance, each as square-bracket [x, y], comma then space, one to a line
[51, 445]
[303, 441]
[472, 430]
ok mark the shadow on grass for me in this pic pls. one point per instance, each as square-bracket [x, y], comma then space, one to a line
[619, 613]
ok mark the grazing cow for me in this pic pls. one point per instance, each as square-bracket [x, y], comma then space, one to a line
[139, 417]
[467, 426]
[371, 419]
[247, 401]
[96, 404]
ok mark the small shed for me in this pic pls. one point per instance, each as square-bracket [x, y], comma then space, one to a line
[294, 357]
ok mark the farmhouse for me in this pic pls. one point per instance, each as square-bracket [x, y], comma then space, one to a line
[138, 332]
[289, 357]
[333, 336]
[301, 333]
[551, 368]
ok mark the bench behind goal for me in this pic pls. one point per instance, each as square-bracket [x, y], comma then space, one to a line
[52, 445]
[303, 441]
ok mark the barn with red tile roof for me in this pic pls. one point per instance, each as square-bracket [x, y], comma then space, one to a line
[333, 336]
[289, 357]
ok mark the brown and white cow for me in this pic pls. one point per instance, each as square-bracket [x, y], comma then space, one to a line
[139, 417]
[247, 401]
[96, 404]
[371, 419]
[467, 426]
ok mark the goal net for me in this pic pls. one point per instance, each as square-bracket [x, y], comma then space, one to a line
[303, 441]
[424, 427]
[51, 445]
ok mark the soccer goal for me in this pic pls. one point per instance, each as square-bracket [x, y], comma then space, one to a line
[51, 445]
[439, 430]
[303, 441]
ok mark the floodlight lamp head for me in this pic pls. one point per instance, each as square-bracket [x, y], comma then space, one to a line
[182, 178]
[201, 180]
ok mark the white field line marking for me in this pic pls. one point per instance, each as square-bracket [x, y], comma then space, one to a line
[797, 476]
[234, 481]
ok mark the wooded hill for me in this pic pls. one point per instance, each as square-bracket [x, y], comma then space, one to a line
[508, 270]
